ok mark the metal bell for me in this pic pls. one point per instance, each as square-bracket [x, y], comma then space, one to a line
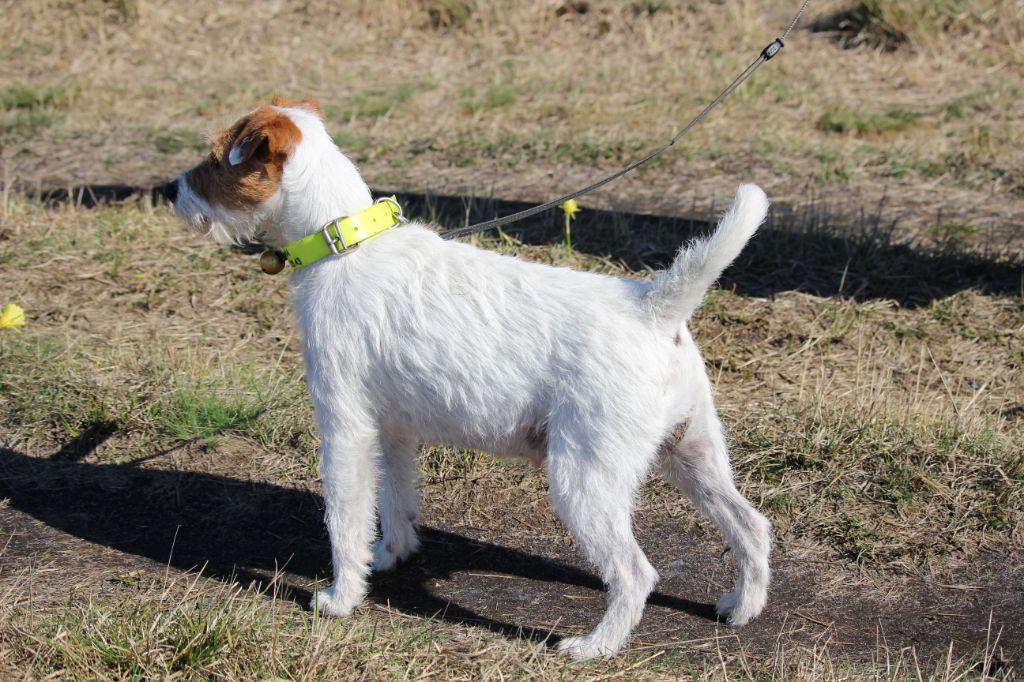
[272, 261]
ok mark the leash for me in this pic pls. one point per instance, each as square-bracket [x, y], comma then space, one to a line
[767, 53]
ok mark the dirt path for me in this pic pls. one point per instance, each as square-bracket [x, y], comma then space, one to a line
[493, 556]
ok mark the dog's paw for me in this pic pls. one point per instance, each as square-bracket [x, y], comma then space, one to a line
[389, 553]
[329, 603]
[585, 647]
[734, 613]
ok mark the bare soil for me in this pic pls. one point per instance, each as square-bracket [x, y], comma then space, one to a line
[493, 556]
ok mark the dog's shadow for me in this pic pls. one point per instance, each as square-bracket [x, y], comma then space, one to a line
[244, 531]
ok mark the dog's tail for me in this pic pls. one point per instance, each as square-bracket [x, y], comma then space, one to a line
[678, 291]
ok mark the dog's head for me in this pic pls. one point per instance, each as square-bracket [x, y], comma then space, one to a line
[273, 176]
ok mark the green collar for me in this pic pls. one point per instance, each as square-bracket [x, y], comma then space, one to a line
[336, 237]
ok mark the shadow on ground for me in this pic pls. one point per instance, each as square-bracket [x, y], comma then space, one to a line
[245, 530]
[811, 250]
[255, 531]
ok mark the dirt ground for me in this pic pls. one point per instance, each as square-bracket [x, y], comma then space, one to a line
[492, 557]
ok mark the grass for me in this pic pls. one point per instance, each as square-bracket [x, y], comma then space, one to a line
[848, 122]
[29, 98]
[498, 93]
[883, 436]
[918, 23]
[176, 140]
[180, 629]
[197, 413]
[865, 360]
[26, 110]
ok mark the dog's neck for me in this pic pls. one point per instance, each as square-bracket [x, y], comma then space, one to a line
[319, 185]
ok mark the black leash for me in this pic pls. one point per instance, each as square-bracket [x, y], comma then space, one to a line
[767, 53]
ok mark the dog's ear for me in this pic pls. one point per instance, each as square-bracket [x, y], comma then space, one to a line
[267, 136]
[309, 104]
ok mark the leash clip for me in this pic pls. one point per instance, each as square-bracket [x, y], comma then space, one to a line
[772, 49]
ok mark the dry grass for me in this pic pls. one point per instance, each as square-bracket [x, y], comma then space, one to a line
[870, 383]
[524, 99]
[881, 439]
[180, 630]
[184, 629]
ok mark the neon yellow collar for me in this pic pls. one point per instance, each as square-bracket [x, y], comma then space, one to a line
[341, 235]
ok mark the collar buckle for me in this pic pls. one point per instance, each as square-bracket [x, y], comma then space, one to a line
[332, 243]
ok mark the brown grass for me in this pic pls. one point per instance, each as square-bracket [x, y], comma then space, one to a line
[882, 440]
[480, 97]
[870, 384]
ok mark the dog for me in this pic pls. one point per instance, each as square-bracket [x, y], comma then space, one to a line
[412, 339]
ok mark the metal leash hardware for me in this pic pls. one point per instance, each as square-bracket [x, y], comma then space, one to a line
[767, 53]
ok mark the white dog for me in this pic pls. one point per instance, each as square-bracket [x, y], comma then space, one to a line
[409, 338]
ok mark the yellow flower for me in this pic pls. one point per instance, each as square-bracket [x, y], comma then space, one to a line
[12, 316]
[571, 208]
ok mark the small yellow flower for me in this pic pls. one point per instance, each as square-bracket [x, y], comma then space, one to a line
[571, 208]
[12, 316]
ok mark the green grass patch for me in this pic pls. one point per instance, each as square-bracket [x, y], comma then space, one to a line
[138, 639]
[891, 24]
[352, 143]
[374, 102]
[846, 122]
[35, 98]
[28, 109]
[832, 167]
[857, 473]
[177, 140]
[25, 123]
[494, 96]
[198, 413]
[441, 463]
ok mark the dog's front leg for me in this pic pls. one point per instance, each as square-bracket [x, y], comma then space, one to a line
[348, 467]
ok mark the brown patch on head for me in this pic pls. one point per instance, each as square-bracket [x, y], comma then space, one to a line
[309, 104]
[258, 144]
[679, 339]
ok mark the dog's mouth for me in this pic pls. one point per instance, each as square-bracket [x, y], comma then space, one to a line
[250, 246]
[217, 232]
[197, 220]
[204, 224]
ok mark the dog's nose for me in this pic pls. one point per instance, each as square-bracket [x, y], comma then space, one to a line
[170, 191]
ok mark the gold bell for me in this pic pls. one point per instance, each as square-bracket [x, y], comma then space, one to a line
[272, 261]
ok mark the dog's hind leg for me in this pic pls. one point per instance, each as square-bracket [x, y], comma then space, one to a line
[397, 502]
[348, 467]
[595, 501]
[697, 462]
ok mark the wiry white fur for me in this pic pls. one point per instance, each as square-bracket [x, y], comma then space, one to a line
[413, 339]
[678, 291]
